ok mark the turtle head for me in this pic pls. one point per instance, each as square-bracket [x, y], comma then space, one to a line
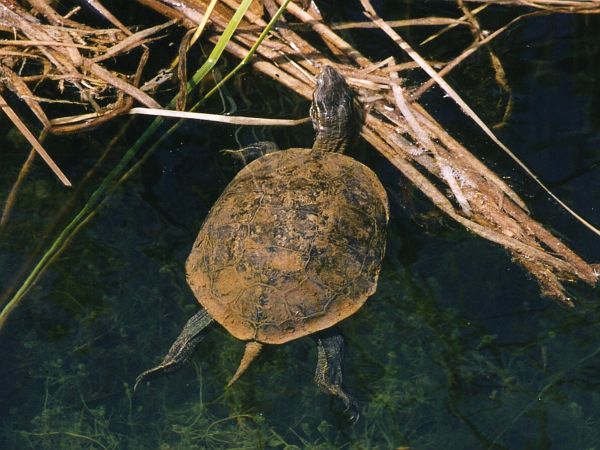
[334, 112]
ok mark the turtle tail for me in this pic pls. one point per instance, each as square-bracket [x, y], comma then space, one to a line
[251, 351]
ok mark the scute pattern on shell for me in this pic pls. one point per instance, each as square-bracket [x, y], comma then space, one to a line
[293, 245]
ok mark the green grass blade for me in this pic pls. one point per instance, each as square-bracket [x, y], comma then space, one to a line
[251, 52]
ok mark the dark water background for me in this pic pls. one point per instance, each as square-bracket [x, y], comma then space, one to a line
[456, 350]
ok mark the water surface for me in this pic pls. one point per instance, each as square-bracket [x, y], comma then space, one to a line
[456, 350]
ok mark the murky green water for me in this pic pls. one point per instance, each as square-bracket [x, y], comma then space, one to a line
[456, 350]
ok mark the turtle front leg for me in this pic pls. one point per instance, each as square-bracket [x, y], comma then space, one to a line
[252, 151]
[328, 375]
[182, 348]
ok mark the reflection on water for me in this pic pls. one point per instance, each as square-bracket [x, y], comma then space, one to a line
[456, 349]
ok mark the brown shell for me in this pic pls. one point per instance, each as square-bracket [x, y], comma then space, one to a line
[293, 245]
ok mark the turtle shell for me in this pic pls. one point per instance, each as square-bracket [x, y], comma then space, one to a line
[292, 246]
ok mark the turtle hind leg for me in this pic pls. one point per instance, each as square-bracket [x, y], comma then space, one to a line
[182, 348]
[328, 375]
[253, 151]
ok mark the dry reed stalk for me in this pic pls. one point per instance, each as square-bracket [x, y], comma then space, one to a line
[555, 6]
[468, 52]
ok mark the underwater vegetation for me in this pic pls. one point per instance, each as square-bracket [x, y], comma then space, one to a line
[424, 373]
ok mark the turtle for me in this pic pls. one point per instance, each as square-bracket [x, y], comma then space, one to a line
[293, 245]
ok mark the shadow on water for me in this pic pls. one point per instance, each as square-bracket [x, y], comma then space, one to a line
[456, 349]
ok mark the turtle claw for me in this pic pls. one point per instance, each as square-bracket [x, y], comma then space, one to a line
[168, 365]
[353, 413]
[351, 410]
[144, 377]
